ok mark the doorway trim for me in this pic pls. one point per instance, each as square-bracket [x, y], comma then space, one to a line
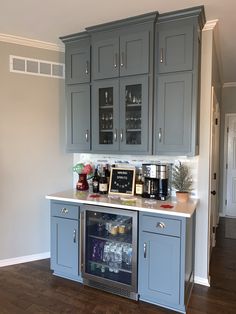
[224, 196]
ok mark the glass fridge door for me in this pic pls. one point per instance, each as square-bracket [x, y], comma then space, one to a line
[110, 254]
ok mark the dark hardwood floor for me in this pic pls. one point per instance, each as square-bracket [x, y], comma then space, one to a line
[31, 288]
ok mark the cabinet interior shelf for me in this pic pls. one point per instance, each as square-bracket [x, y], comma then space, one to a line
[124, 268]
[113, 238]
[106, 107]
[106, 130]
[133, 130]
[133, 105]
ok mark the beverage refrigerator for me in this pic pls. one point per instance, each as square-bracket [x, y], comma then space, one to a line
[109, 249]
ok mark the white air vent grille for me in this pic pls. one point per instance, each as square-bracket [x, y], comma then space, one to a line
[37, 67]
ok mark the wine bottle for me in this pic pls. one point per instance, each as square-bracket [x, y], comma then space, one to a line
[103, 185]
[95, 181]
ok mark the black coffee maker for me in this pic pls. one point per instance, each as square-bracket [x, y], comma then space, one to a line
[156, 181]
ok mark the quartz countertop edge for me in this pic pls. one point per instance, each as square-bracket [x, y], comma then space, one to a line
[127, 202]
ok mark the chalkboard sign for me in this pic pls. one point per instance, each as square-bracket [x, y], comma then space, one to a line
[122, 181]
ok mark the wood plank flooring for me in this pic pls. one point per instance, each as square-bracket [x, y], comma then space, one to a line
[31, 288]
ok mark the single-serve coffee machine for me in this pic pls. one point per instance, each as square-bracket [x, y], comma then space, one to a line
[156, 181]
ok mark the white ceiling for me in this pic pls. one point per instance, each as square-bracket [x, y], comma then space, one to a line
[47, 20]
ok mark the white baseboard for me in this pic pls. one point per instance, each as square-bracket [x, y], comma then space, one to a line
[221, 214]
[202, 281]
[23, 259]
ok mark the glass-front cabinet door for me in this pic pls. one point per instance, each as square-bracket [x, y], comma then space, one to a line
[134, 112]
[105, 115]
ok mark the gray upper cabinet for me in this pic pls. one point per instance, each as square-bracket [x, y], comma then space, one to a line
[122, 48]
[121, 56]
[174, 113]
[176, 100]
[121, 115]
[77, 58]
[78, 118]
[175, 46]
[77, 88]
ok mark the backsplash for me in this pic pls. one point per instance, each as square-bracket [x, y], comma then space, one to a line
[137, 161]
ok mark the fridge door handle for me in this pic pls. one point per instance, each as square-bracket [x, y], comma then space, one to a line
[145, 250]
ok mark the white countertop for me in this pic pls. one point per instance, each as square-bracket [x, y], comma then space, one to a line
[128, 202]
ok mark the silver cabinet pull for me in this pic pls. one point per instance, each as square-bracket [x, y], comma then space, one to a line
[121, 135]
[86, 135]
[160, 225]
[145, 250]
[115, 60]
[160, 135]
[64, 210]
[115, 135]
[162, 55]
[74, 236]
[122, 59]
[87, 68]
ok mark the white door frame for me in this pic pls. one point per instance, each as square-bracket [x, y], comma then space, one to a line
[227, 115]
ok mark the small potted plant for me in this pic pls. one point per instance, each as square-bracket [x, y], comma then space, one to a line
[182, 181]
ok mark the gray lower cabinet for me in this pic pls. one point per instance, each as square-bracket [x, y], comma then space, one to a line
[65, 239]
[174, 113]
[78, 135]
[121, 115]
[166, 260]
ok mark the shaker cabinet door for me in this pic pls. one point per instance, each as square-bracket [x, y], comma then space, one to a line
[105, 58]
[77, 60]
[78, 118]
[174, 114]
[175, 47]
[134, 53]
[64, 246]
[159, 269]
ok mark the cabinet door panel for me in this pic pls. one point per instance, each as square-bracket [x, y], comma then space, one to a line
[78, 63]
[105, 115]
[64, 245]
[78, 118]
[106, 58]
[134, 114]
[175, 47]
[134, 54]
[159, 269]
[174, 98]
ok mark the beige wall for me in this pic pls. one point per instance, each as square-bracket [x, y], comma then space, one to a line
[32, 157]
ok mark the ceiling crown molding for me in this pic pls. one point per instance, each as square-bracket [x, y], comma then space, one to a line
[30, 42]
[210, 25]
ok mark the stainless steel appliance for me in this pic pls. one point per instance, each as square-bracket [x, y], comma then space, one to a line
[156, 181]
[109, 249]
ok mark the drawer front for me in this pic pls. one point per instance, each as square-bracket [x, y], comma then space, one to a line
[65, 210]
[161, 225]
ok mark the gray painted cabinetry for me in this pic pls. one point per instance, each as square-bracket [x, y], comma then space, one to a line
[144, 85]
[65, 239]
[166, 260]
[77, 88]
[122, 85]
[176, 102]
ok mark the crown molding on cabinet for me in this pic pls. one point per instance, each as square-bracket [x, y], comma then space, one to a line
[210, 25]
[30, 42]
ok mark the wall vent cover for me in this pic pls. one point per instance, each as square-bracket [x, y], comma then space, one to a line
[36, 67]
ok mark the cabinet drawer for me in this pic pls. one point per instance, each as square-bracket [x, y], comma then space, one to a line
[65, 210]
[161, 225]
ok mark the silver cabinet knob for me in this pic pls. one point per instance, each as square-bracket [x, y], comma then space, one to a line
[64, 210]
[161, 225]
